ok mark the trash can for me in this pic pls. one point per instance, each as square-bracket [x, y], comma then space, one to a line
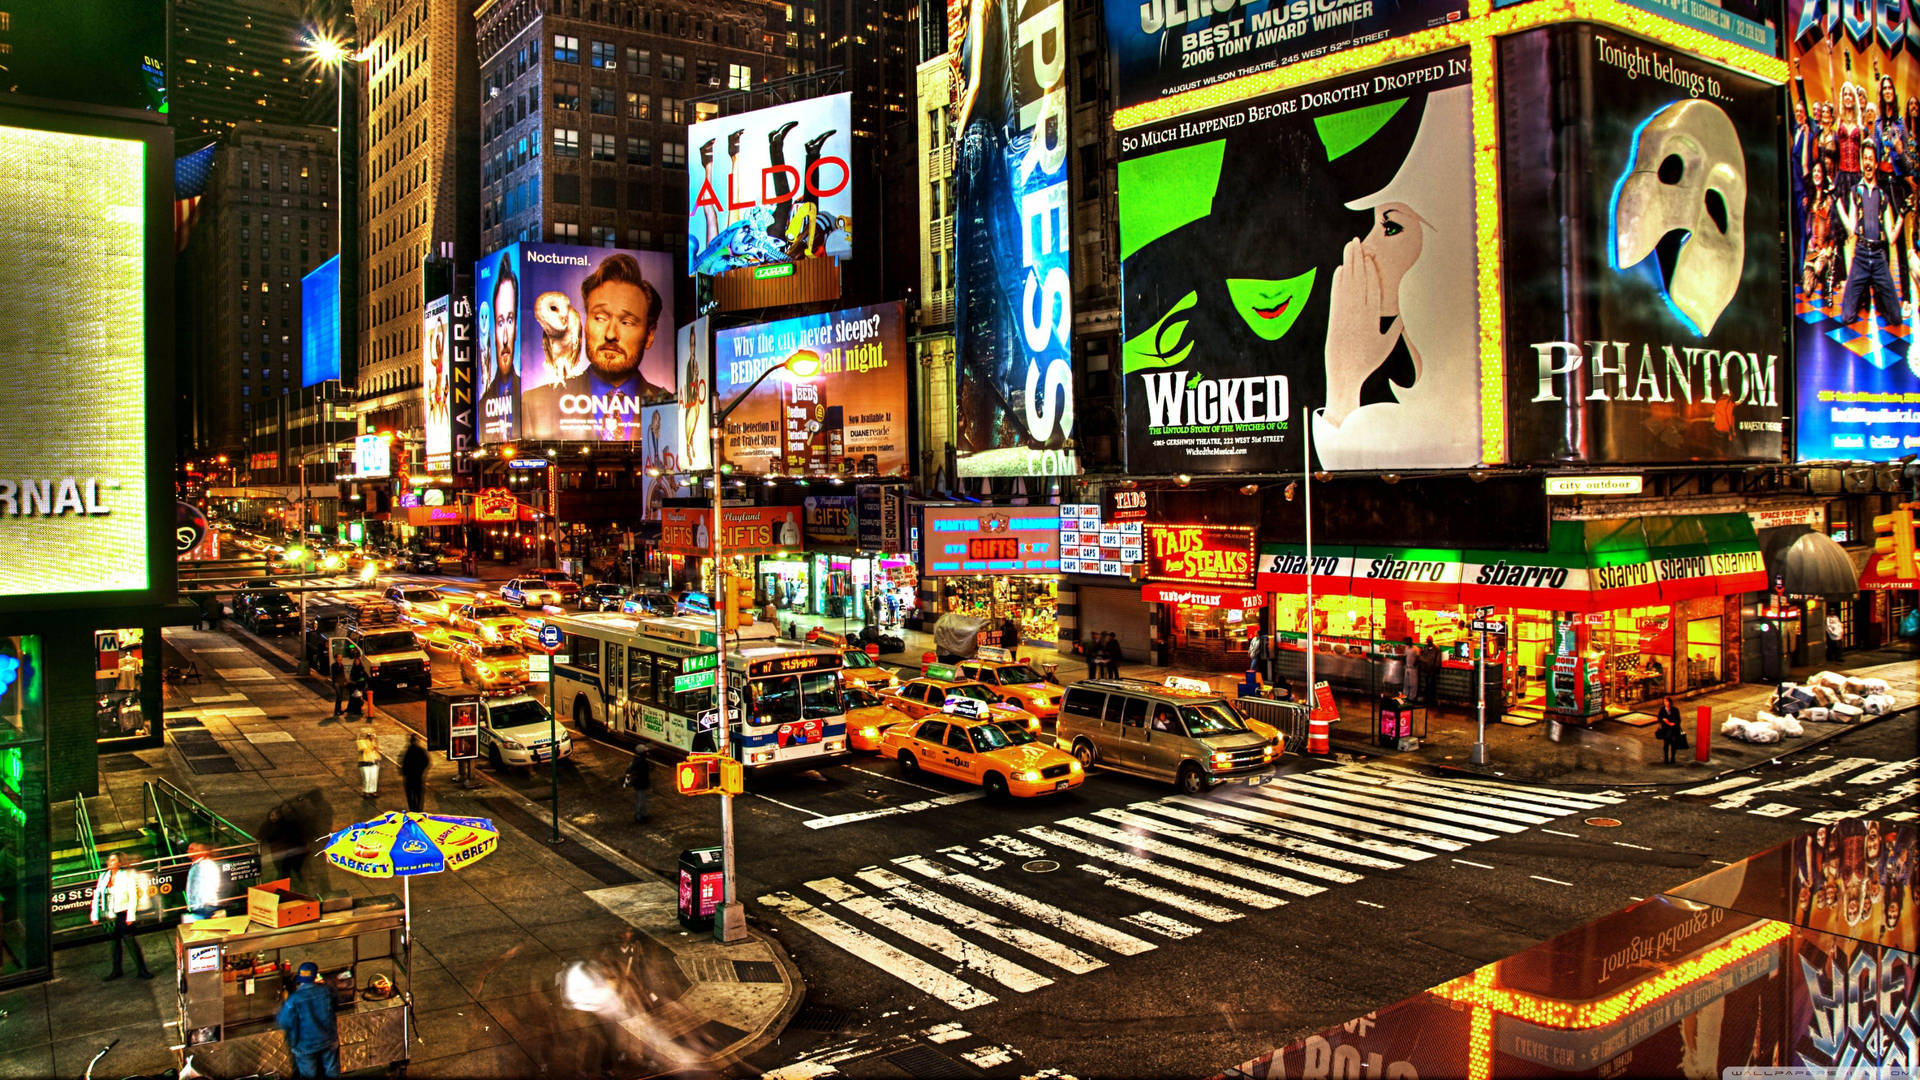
[1393, 721]
[702, 884]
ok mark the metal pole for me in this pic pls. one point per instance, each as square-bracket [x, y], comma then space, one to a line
[1478, 754]
[730, 925]
[1306, 491]
[553, 748]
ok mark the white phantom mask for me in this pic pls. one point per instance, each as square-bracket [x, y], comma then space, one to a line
[1685, 196]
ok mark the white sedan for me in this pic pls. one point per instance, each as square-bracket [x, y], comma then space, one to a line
[529, 592]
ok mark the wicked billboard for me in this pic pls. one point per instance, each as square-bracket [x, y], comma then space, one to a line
[1013, 327]
[1166, 47]
[1641, 214]
[1313, 250]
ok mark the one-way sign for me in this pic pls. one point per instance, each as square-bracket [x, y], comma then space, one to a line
[1490, 626]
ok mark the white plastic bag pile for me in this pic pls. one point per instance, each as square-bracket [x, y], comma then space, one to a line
[1830, 697]
[1759, 730]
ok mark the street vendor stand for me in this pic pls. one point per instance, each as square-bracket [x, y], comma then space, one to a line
[233, 974]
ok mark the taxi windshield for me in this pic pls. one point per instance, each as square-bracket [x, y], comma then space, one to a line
[975, 691]
[501, 649]
[1016, 734]
[854, 658]
[1212, 718]
[858, 698]
[991, 737]
[1019, 673]
[489, 611]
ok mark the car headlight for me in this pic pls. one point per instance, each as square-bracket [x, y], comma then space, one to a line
[1031, 776]
[1074, 767]
[1222, 760]
[869, 732]
[511, 744]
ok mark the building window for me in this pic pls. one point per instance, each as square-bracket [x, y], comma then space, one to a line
[704, 111]
[602, 55]
[706, 72]
[566, 95]
[639, 61]
[673, 110]
[603, 147]
[600, 192]
[566, 188]
[566, 230]
[566, 142]
[601, 236]
[639, 106]
[566, 49]
[673, 155]
[639, 150]
[600, 101]
[739, 77]
[673, 67]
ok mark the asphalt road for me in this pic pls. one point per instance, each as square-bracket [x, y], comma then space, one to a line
[1117, 930]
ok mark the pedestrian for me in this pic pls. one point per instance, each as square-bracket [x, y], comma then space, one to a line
[118, 895]
[1429, 671]
[280, 839]
[1670, 733]
[413, 774]
[1836, 634]
[1410, 673]
[1256, 655]
[640, 778]
[306, 1017]
[1110, 655]
[210, 612]
[342, 684]
[770, 614]
[369, 762]
[203, 884]
[356, 687]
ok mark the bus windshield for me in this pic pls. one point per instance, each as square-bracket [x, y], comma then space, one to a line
[785, 699]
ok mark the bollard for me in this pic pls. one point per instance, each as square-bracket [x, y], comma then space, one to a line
[1319, 739]
[1704, 732]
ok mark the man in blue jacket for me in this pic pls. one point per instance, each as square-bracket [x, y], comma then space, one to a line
[307, 1019]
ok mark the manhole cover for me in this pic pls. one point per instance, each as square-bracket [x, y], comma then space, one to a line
[1040, 866]
[1604, 822]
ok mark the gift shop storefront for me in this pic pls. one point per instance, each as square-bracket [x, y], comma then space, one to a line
[1615, 614]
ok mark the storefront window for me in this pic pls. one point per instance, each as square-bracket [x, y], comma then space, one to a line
[24, 858]
[1032, 601]
[120, 673]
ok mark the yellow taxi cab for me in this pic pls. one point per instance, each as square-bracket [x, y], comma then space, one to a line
[859, 669]
[442, 638]
[929, 694]
[486, 618]
[999, 755]
[868, 716]
[1017, 682]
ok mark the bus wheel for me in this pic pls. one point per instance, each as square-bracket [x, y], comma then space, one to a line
[583, 718]
[907, 764]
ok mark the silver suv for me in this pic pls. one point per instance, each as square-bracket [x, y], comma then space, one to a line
[1191, 738]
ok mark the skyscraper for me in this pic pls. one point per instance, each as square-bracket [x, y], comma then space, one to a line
[240, 62]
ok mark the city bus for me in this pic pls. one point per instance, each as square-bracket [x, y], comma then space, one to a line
[649, 680]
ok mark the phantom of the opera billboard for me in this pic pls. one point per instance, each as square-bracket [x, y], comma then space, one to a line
[848, 419]
[1640, 211]
[575, 342]
[1013, 323]
[1856, 368]
[1306, 253]
[770, 186]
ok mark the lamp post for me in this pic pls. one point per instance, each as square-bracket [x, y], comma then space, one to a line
[299, 556]
[730, 922]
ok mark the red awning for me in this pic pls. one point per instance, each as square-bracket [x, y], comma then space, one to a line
[1204, 596]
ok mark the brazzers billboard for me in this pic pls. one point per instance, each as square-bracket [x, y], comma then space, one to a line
[771, 186]
[1312, 250]
[575, 342]
[1014, 323]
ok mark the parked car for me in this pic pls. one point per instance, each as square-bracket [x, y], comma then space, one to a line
[394, 657]
[266, 611]
[560, 582]
[514, 728]
[603, 596]
[529, 592]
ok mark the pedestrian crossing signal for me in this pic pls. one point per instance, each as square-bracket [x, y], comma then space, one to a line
[1895, 543]
[709, 774]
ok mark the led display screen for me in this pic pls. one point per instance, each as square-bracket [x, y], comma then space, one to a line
[73, 495]
[848, 418]
[770, 186]
[987, 540]
[320, 323]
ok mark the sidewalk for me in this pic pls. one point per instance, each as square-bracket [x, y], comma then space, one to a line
[1610, 754]
[489, 940]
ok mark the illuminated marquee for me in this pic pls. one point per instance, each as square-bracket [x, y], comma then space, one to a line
[1200, 554]
[495, 504]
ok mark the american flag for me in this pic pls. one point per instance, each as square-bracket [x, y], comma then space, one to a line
[189, 184]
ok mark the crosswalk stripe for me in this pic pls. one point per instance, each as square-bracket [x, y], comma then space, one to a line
[1478, 802]
[1585, 800]
[1890, 771]
[914, 972]
[931, 936]
[1115, 835]
[1149, 891]
[1268, 816]
[1227, 824]
[1306, 805]
[966, 918]
[1161, 924]
[1214, 843]
[1144, 865]
[1100, 934]
[1424, 806]
[1793, 783]
[1718, 786]
[1385, 808]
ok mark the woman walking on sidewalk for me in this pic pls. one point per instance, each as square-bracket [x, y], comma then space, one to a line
[118, 896]
[1670, 734]
[369, 762]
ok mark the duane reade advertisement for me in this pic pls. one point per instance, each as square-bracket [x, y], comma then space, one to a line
[73, 496]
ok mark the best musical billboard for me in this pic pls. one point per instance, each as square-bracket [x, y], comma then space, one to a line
[1856, 373]
[850, 419]
[592, 329]
[1640, 206]
[496, 376]
[770, 186]
[1166, 47]
[436, 385]
[1351, 295]
[1013, 323]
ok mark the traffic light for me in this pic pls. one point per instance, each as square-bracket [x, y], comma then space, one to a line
[739, 600]
[1894, 543]
[709, 774]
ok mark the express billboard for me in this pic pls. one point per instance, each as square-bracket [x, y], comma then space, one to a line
[1856, 377]
[771, 186]
[589, 332]
[849, 419]
[1353, 296]
[76, 501]
[1640, 207]
[1166, 47]
[1013, 324]
[320, 323]
[436, 384]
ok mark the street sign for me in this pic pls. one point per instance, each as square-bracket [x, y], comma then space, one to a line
[537, 662]
[539, 676]
[550, 636]
[1490, 626]
[699, 680]
[711, 718]
[1482, 612]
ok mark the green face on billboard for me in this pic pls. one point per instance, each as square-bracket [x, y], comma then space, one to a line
[73, 486]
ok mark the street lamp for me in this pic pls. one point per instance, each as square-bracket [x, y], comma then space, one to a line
[730, 923]
[301, 557]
